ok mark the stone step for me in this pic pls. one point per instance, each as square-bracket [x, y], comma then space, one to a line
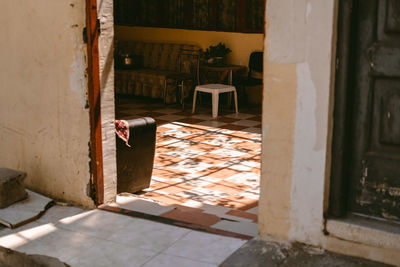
[11, 187]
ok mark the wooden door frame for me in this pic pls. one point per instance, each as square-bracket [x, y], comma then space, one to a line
[341, 153]
[93, 72]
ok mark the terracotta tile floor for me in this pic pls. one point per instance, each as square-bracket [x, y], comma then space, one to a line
[211, 166]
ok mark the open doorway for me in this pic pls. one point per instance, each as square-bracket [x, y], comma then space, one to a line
[206, 170]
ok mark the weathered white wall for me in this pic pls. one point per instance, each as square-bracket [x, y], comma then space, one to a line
[106, 57]
[301, 43]
[297, 116]
[312, 114]
[44, 124]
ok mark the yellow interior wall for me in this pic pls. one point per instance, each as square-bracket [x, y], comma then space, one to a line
[241, 44]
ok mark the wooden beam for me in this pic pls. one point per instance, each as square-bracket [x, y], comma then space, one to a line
[93, 70]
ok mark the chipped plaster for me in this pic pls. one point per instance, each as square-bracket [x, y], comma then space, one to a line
[42, 97]
[77, 79]
[301, 42]
[278, 117]
[308, 164]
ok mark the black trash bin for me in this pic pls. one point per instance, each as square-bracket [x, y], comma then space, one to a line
[135, 162]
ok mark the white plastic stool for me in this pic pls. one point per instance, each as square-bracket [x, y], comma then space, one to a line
[215, 90]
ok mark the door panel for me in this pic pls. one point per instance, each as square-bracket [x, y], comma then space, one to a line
[375, 160]
[392, 20]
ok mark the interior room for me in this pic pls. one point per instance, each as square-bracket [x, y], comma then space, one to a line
[206, 145]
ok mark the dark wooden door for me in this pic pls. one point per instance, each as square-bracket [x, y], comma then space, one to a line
[374, 168]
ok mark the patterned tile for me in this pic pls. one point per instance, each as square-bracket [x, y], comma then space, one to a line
[202, 116]
[171, 117]
[190, 120]
[196, 217]
[204, 195]
[186, 153]
[247, 123]
[253, 130]
[152, 114]
[212, 123]
[243, 214]
[168, 173]
[210, 159]
[227, 187]
[237, 202]
[160, 122]
[241, 116]
[167, 199]
[172, 125]
[233, 127]
[218, 172]
[225, 119]
[255, 118]
[171, 187]
[177, 143]
[178, 133]
[206, 168]
[248, 178]
[191, 166]
[226, 152]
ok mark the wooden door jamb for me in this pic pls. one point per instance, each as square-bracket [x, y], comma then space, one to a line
[93, 72]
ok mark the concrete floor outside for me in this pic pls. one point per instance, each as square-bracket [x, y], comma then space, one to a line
[82, 237]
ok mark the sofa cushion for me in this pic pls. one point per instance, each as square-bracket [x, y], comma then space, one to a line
[160, 56]
[160, 60]
[144, 82]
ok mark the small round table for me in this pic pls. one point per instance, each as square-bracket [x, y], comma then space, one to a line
[215, 90]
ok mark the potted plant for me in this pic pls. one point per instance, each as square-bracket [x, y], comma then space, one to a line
[217, 54]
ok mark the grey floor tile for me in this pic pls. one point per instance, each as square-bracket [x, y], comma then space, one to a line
[204, 247]
[107, 253]
[245, 228]
[164, 260]
[141, 205]
[148, 235]
[97, 223]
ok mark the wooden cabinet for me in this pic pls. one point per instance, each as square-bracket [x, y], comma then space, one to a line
[213, 15]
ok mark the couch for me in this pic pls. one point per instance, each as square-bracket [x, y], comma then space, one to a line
[157, 76]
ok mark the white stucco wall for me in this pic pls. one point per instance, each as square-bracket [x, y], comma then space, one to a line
[106, 57]
[44, 121]
[312, 119]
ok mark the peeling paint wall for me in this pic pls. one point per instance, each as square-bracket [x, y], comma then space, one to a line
[106, 57]
[312, 114]
[44, 125]
[296, 108]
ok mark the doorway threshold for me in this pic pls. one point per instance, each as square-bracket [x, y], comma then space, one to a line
[208, 218]
[365, 230]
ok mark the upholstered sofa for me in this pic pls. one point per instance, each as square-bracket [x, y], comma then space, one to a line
[157, 77]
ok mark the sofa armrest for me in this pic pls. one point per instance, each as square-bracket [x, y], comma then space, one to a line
[135, 163]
